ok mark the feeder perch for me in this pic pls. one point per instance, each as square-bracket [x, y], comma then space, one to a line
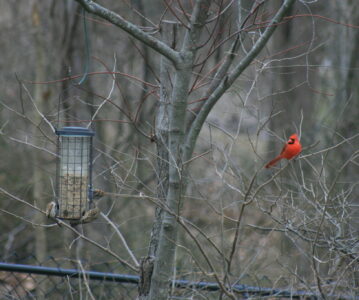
[74, 172]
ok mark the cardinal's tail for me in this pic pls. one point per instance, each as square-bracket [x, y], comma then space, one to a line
[273, 162]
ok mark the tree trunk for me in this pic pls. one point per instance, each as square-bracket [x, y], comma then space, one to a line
[165, 256]
[164, 261]
[161, 138]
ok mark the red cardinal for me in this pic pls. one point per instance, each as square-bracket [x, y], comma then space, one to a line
[291, 149]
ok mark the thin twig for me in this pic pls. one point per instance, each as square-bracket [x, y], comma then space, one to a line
[123, 240]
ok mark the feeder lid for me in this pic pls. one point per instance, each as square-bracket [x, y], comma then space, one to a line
[75, 131]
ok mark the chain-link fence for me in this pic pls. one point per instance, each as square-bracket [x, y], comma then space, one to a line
[25, 281]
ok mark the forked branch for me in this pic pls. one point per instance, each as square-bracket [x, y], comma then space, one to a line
[228, 80]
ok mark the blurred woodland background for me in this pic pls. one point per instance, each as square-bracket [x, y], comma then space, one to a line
[295, 226]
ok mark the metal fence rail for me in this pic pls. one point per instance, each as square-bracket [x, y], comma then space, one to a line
[125, 279]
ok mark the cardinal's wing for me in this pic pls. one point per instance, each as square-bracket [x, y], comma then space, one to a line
[284, 147]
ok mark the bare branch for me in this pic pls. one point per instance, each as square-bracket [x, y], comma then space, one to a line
[109, 251]
[120, 235]
[112, 17]
[227, 81]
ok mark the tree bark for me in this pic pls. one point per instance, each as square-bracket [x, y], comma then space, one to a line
[161, 139]
[165, 257]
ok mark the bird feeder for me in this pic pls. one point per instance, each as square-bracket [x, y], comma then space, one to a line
[74, 172]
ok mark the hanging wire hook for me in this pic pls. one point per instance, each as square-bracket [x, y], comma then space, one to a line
[85, 68]
[87, 49]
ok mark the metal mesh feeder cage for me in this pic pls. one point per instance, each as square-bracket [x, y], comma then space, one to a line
[74, 172]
